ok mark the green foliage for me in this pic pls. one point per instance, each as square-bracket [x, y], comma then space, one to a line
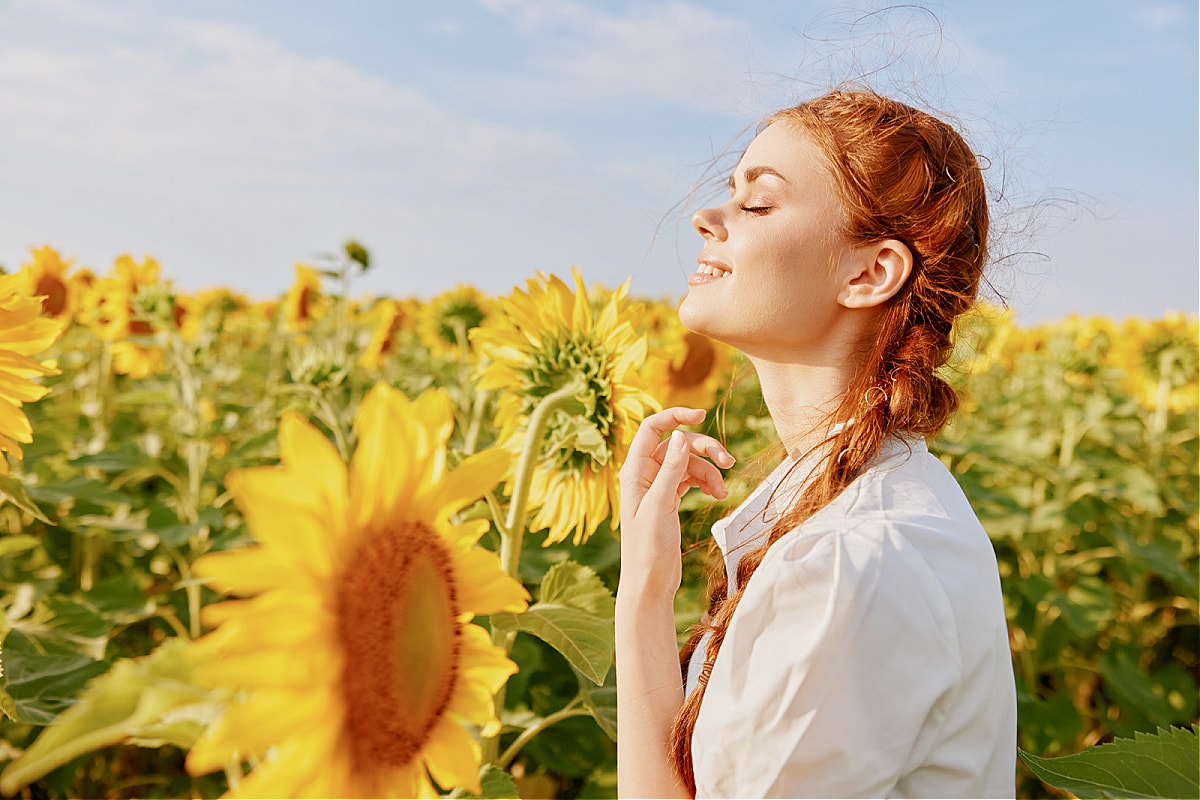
[1087, 482]
[148, 702]
[574, 615]
[1085, 479]
[1166, 764]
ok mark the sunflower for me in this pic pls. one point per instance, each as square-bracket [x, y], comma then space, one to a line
[445, 322]
[111, 314]
[685, 368]
[353, 654]
[24, 332]
[302, 304]
[387, 319]
[46, 277]
[542, 341]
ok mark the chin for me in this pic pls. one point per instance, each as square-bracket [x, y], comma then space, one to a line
[697, 319]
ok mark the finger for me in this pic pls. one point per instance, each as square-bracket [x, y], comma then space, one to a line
[700, 472]
[703, 445]
[673, 472]
[651, 431]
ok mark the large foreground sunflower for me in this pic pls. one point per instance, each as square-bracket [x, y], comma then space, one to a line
[24, 332]
[542, 341]
[354, 655]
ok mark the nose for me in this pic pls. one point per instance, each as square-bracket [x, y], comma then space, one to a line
[707, 222]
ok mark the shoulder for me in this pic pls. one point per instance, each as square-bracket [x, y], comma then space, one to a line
[905, 512]
[902, 535]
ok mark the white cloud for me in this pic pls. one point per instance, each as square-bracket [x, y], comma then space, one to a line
[678, 51]
[223, 152]
[1159, 17]
[214, 96]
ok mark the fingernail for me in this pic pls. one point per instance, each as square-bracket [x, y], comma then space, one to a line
[721, 456]
[678, 441]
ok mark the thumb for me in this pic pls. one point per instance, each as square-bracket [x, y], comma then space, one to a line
[674, 467]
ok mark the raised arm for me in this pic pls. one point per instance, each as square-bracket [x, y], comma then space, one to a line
[656, 474]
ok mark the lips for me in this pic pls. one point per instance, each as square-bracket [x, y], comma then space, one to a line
[711, 267]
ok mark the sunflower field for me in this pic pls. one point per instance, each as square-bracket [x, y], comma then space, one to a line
[345, 547]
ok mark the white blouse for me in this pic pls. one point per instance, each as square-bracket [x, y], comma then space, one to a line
[869, 654]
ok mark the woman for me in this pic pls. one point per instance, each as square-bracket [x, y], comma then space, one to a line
[856, 643]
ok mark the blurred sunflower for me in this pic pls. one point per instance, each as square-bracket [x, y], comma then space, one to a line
[303, 301]
[386, 319]
[354, 655]
[445, 322]
[684, 368]
[112, 317]
[24, 332]
[542, 341]
[1159, 360]
[46, 276]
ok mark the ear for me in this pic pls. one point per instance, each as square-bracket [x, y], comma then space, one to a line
[875, 273]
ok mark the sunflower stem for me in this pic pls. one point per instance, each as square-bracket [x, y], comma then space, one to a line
[512, 531]
[510, 554]
[471, 439]
[571, 710]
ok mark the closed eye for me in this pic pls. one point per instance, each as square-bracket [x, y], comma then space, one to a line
[759, 210]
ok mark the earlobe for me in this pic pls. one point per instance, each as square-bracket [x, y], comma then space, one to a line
[878, 271]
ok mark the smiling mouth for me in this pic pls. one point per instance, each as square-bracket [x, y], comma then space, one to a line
[712, 270]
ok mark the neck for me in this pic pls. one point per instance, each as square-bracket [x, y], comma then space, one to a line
[800, 398]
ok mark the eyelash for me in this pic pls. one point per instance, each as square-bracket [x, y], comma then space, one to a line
[757, 210]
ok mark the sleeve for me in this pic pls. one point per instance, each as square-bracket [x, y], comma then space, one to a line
[834, 672]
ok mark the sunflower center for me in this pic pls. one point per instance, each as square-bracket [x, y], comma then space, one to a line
[303, 301]
[54, 294]
[578, 435]
[697, 364]
[397, 613]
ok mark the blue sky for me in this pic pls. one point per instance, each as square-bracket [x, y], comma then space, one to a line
[479, 141]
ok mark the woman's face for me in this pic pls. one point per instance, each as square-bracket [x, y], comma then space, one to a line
[773, 262]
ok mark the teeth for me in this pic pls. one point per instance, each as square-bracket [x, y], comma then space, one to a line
[708, 269]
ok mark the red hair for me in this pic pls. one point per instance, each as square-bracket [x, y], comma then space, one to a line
[900, 174]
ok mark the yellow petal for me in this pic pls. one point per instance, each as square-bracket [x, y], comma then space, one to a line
[472, 479]
[452, 756]
[314, 462]
[287, 519]
[483, 586]
[382, 469]
[245, 571]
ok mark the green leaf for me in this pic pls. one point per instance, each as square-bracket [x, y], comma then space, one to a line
[43, 672]
[112, 460]
[577, 586]
[1087, 607]
[12, 545]
[149, 701]
[602, 703]
[497, 783]
[14, 492]
[572, 747]
[78, 488]
[1166, 764]
[586, 641]
[574, 616]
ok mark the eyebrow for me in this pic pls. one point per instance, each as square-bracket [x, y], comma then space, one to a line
[754, 173]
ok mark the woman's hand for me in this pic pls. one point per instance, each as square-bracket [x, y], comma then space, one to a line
[656, 474]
